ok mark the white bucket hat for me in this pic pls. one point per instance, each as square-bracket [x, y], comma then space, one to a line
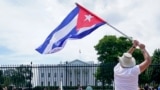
[127, 60]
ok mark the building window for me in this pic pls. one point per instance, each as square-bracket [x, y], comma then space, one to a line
[70, 83]
[54, 74]
[70, 74]
[48, 83]
[42, 74]
[61, 74]
[86, 83]
[55, 83]
[42, 83]
[49, 74]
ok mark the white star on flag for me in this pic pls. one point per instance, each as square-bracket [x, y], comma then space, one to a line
[88, 17]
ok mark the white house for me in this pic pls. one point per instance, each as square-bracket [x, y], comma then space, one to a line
[72, 73]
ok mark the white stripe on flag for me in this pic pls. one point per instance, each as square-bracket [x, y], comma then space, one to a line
[85, 29]
[60, 34]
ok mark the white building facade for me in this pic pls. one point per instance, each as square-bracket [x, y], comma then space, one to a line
[72, 73]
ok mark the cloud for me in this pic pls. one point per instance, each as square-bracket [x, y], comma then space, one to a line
[5, 51]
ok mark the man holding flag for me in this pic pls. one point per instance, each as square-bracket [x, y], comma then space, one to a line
[126, 72]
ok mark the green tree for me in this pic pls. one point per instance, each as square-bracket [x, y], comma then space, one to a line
[155, 67]
[23, 75]
[1, 77]
[8, 76]
[18, 76]
[108, 49]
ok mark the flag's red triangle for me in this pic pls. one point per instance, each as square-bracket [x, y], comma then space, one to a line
[86, 19]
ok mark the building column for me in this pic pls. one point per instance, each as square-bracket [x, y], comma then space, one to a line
[89, 77]
[73, 77]
[81, 78]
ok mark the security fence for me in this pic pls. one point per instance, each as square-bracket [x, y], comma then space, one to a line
[69, 76]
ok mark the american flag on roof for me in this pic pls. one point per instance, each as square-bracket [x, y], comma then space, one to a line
[79, 23]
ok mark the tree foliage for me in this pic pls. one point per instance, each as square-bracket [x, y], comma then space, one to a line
[109, 47]
[155, 67]
[1, 77]
[18, 76]
[24, 74]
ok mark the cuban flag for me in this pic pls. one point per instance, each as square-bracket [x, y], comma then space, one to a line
[79, 23]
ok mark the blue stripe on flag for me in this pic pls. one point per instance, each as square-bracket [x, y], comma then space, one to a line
[60, 43]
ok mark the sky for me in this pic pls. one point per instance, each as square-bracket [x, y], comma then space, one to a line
[25, 24]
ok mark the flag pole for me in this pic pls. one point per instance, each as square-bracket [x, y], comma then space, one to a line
[119, 31]
[106, 22]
